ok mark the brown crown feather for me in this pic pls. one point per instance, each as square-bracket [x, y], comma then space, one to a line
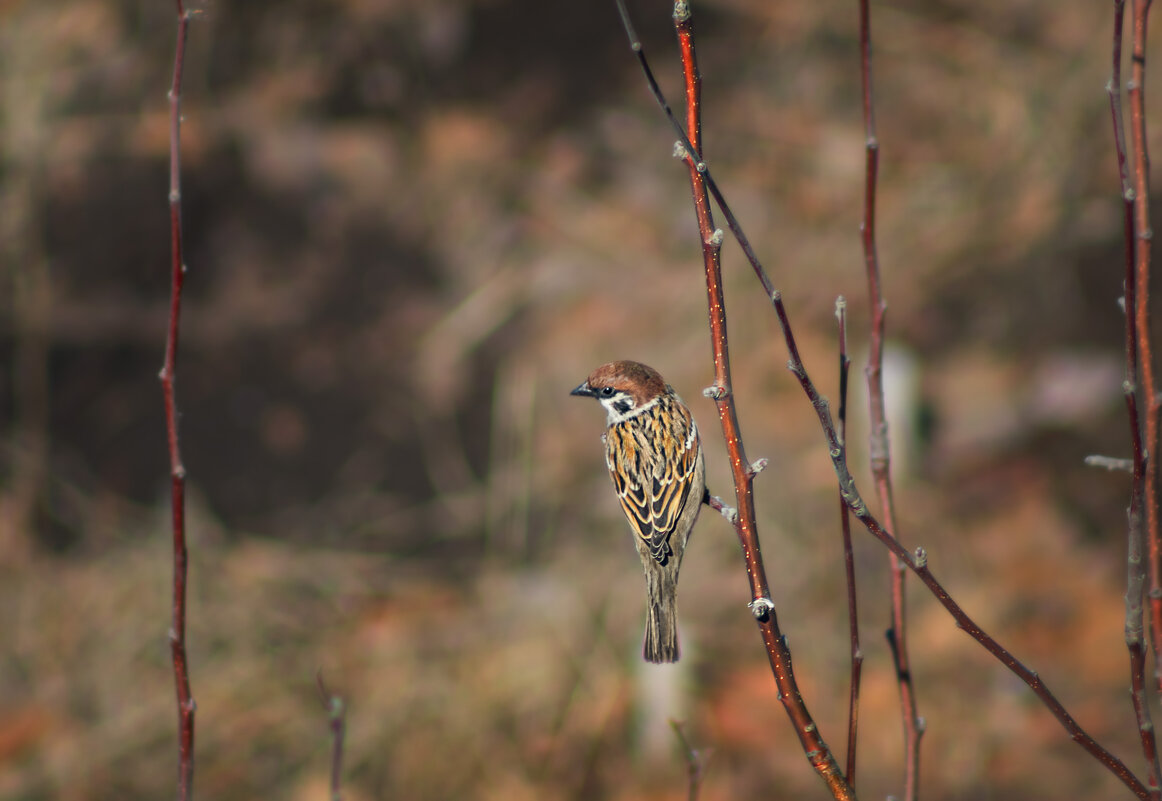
[641, 381]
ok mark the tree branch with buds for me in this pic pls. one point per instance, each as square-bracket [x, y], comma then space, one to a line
[848, 558]
[168, 375]
[702, 184]
[743, 470]
[1139, 512]
[880, 445]
[1138, 309]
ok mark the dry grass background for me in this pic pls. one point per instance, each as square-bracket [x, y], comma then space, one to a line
[411, 228]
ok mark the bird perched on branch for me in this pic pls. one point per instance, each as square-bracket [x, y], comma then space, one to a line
[654, 457]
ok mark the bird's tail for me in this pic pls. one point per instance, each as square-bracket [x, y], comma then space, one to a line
[661, 643]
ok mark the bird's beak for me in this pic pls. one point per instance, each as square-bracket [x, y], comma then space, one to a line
[584, 390]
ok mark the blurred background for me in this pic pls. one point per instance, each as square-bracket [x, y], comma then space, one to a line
[411, 227]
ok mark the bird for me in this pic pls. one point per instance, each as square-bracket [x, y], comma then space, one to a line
[654, 456]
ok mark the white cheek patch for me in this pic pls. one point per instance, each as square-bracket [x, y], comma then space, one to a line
[620, 408]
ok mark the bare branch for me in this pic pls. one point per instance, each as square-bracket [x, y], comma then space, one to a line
[880, 447]
[744, 471]
[1137, 517]
[1138, 309]
[695, 761]
[822, 760]
[919, 566]
[848, 557]
[337, 711]
[168, 375]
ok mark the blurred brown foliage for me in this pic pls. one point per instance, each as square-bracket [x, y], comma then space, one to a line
[411, 227]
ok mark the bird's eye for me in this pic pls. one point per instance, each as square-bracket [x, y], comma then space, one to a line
[607, 392]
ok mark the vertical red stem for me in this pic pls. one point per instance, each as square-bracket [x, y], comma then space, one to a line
[1140, 312]
[1136, 567]
[779, 655]
[177, 634]
[880, 448]
[848, 558]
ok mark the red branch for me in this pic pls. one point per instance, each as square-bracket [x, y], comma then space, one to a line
[1140, 311]
[177, 632]
[743, 471]
[838, 454]
[1137, 516]
[918, 564]
[848, 557]
[880, 449]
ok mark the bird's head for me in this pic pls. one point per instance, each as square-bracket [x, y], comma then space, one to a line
[624, 388]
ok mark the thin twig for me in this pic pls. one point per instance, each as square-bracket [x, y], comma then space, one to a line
[337, 712]
[1140, 311]
[848, 557]
[918, 564]
[177, 633]
[687, 150]
[1135, 566]
[743, 470]
[1110, 463]
[695, 761]
[880, 447]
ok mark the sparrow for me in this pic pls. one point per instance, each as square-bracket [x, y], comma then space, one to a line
[654, 456]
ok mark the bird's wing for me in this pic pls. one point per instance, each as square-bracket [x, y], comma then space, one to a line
[652, 466]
